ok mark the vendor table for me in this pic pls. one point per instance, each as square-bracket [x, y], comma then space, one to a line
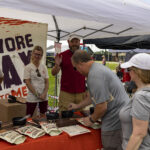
[87, 141]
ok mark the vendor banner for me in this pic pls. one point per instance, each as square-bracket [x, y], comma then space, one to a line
[17, 39]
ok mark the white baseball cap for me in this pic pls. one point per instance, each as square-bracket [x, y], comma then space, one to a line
[73, 36]
[141, 61]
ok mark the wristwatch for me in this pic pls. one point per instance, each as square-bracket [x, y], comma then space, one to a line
[91, 120]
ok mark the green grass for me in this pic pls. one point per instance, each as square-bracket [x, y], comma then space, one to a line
[111, 65]
[51, 91]
[51, 82]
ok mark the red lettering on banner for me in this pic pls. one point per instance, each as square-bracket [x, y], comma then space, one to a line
[1, 96]
[20, 92]
[24, 91]
[13, 92]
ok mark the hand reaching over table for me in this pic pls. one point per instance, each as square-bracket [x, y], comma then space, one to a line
[72, 106]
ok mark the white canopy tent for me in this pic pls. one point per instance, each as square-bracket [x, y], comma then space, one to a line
[89, 19]
[137, 50]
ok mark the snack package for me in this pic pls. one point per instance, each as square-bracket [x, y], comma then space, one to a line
[31, 131]
[75, 130]
[50, 128]
[95, 125]
[12, 137]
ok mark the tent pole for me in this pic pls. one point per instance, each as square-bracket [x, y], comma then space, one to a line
[58, 39]
[108, 58]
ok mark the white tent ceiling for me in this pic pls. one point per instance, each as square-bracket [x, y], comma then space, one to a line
[87, 18]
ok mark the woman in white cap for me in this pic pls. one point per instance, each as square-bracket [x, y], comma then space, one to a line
[135, 117]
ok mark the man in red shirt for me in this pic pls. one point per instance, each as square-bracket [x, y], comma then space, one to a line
[72, 82]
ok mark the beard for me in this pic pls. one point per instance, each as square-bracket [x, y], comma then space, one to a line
[74, 48]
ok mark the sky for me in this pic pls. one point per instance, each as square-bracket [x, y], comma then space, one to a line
[146, 1]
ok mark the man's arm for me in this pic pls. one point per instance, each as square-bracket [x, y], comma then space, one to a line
[56, 68]
[99, 112]
[82, 104]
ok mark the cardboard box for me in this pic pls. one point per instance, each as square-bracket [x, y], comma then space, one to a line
[10, 110]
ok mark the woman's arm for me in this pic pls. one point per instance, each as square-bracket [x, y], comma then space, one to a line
[1, 79]
[44, 94]
[140, 128]
[30, 87]
[1, 76]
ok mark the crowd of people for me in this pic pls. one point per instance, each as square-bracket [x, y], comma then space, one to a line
[125, 122]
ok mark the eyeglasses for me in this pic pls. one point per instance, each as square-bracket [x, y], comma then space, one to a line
[36, 54]
[38, 73]
[129, 69]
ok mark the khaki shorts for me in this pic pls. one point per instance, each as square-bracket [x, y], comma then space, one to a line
[66, 98]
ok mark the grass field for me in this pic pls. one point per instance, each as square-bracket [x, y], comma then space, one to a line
[111, 65]
[51, 90]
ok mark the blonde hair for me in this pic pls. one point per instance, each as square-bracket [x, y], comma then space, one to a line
[38, 48]
[144, 75]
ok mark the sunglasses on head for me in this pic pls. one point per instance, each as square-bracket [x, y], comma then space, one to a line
[38, 73]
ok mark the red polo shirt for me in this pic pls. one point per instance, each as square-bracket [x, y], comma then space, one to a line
[71, 81]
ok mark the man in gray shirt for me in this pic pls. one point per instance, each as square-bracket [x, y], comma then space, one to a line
[107, 95]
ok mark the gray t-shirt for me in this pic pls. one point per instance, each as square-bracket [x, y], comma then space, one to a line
[139, 108]
[104, 86]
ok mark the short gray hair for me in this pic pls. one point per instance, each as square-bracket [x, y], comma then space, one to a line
[81, 56]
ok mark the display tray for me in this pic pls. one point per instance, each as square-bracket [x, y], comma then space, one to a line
[66, 122]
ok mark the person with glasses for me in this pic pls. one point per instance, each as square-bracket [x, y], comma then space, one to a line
[108, 96]
[135, 116]
[72, 82]
[36, 79]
